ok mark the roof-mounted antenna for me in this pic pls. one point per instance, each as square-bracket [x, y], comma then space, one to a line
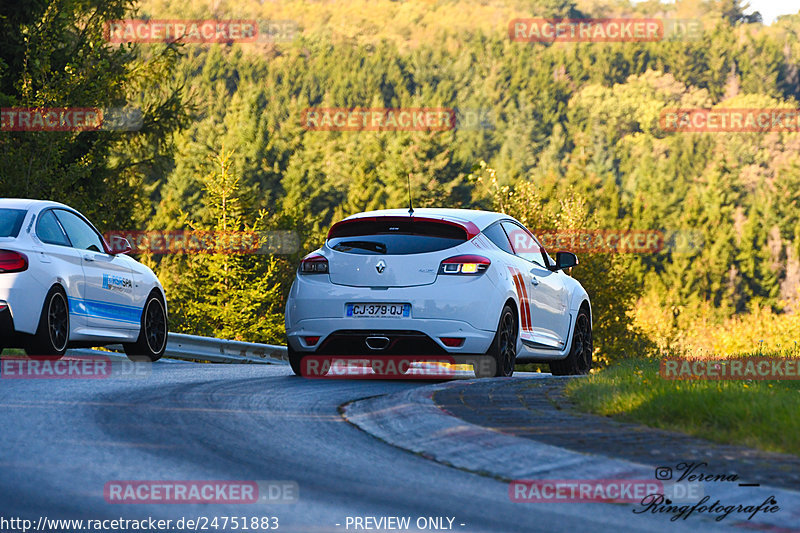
[410, 207]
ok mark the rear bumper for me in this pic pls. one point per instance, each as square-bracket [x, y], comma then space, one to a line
[348, 336]
[24, 300]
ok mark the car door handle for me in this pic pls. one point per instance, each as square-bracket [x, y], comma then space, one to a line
[88, 257]
[534, 281]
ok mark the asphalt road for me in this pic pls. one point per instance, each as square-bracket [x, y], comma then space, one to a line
[62, 440]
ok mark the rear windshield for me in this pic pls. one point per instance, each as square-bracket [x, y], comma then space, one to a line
[11, 221]
[395, 237]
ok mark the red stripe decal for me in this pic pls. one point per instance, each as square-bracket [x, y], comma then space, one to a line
[523, 311]
[527, 301]
[519, 295]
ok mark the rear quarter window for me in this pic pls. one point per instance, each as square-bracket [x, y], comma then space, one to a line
[497, 235]
[394, 237]
[11, 222]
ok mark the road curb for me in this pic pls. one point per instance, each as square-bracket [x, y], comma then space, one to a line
[411, 420]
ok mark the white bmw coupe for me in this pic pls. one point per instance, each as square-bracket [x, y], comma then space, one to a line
[439, 282]
[62, 286]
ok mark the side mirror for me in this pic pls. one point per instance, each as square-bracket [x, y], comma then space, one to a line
[120, 245]
[565, 260]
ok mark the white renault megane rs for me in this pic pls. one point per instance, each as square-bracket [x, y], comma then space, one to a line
[62, 286]
[439, 282]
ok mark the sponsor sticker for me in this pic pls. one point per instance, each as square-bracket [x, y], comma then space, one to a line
[112, 282]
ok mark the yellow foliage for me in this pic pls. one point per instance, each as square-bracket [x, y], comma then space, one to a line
[696, 332]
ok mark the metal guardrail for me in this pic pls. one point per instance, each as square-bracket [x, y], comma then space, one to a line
[180, 346]
[195, 348]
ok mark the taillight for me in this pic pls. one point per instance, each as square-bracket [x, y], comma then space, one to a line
[12, 261]
[311, 341]
[470, 265]
[314, 264]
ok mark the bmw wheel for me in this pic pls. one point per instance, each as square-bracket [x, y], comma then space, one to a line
[52, 335]
[152, 339]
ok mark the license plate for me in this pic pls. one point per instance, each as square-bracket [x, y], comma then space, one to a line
[379, 310]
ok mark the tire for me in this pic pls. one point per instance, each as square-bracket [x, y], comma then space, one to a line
[52, 335]
[503, 350]
[579, 360]
[296, 362]
[152, 339]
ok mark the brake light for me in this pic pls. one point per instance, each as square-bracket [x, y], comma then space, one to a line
[12, 261]
[314, 264]
[465, 264]
[311, 341]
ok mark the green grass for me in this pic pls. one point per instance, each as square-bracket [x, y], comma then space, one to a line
[758, 414]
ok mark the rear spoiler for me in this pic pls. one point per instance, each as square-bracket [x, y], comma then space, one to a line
[469, 228]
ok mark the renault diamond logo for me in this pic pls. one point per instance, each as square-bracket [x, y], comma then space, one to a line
[380, 267]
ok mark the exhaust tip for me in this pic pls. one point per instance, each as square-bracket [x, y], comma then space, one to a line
[377, 343]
